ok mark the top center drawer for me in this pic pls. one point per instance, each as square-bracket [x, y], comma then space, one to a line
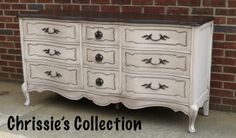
[101, 34]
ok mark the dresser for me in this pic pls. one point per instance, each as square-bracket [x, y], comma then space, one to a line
[134, 59]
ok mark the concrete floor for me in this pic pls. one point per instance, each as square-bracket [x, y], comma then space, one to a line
[156, 122]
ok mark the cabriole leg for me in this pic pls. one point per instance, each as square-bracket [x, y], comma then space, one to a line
[192, 118]
[26, 94]
[206, 108]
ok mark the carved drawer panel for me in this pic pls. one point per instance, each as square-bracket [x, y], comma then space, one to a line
[52, 52]
[58, 75]
[51, 30]
[156, 61]
[100, 34]
[100, 80]
[158, 86]
[101, 57]
[159, 37]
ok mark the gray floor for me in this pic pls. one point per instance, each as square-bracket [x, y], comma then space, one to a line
[156, 122]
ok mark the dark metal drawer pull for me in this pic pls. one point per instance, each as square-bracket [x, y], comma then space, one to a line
[149, 86]
[161, 61]
[149, 37]
[47, 51]
[99, 81]
[49, 73]
[99, 57]
[98, 35]
[55, 31]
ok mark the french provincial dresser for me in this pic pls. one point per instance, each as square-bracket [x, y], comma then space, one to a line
[135, 59]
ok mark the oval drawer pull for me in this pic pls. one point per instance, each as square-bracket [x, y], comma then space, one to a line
[46, 30]
[99, 81]
[99, 57]
[161, 61]
[57, 75]
[47, 51]
[149, 37]
[149, 86]
[98, 35]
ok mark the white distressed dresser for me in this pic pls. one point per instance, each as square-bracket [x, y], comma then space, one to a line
[138, 60]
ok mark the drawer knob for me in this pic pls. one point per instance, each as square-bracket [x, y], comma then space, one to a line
[161, 61]
[149, 37]
[56, 53]
[98, 35]
[99, 57]
[99, 82]
[149, 86]
[46, 30]
[57, 75]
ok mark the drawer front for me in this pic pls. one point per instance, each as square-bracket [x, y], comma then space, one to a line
[159, 86]
[101, 57]
[100, 80]
[52, 52]
[100, 34]
[156, 61]
[60, 76]
[51, 31]
[160, 37]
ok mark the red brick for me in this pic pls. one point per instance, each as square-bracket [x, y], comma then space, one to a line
[11, 12]
[131, 9]
[202, 11]
[222, 77]
[229, 101]
[100, 1]
[165, 2]
[142, 2]
[3, 63]
[110, 9]
[177, 10]
[217, 52]
[231, 21]
[71, 7]
[216, 68]
[230, 12]
[216, 84]
[4, 75]
[215, 100]
[90, 8]
[18, 6]
[27, 1]
[51, 7]
[230, 85]
[8, 69]
[7, 57]
[12, 25]
[224, 45]
[231, 37]
[81, 1]
[232, 3]
[19, 71]
[214, 3]
[45, 1]
[217, 36]
[15, 64]
[62, 1]
[5, 6]
[230, 53]
[12, 1]
[156, 10]
[3, 50]
[18, 58]
[224, 61]
[219, 20]
[225, 108]
[126, 2]
[229, 69]
[14, 51]
[6, 19]
[189, 2]
[222, 93]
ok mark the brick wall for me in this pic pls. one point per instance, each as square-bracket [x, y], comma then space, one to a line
[223, 83]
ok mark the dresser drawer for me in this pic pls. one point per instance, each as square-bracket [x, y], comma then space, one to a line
[51, 30]
[100, 80]
[100, 34]
[158, 86]
[52, 52]
[101, 57]
[158, 37]
[156, 61]
[58, 75]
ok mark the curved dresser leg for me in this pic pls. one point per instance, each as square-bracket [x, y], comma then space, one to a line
[192, 118]
[26, 94]
[206, 108]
